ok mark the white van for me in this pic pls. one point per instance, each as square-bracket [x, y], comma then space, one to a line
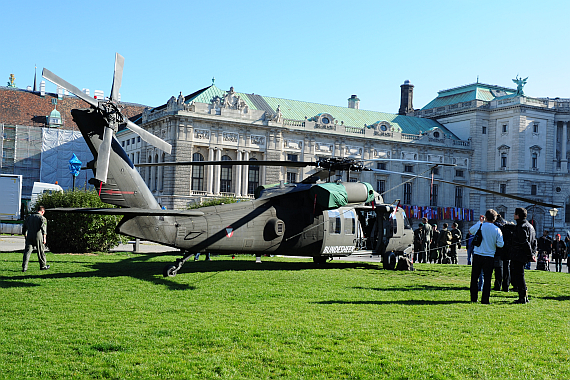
[40, 188]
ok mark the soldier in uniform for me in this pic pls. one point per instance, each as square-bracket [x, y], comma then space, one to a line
[444, 242]
[428, 235]
[35, 231]
[455, 242]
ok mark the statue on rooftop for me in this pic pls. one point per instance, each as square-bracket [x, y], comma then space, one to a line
[520, 84]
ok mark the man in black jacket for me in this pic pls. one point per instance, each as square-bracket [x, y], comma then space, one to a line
[524, 246]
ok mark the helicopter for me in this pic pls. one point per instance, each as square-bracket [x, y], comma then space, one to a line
[316, 217]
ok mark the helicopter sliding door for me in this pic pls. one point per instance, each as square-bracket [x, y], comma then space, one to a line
[340, 226]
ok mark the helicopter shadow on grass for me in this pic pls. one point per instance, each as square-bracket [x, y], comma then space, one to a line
[394, 302]
[138, 266]
[415, 288]
[135, 266]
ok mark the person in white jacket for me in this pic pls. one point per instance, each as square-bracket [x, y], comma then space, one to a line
[484, 254]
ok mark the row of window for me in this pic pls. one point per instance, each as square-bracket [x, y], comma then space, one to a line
[410, 169]
[505, 128]
[434, 193]
[226, 175]
[130, 141]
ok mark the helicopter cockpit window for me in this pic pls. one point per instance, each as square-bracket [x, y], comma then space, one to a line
[334, 222]
[350, 218]
[407, 225]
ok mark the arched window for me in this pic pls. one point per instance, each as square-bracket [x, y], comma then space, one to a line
[253, 177]
[226, 176]
[198, 173]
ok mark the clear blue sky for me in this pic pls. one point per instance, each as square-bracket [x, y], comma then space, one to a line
[317, 51]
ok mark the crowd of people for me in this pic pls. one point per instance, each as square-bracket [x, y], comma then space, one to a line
[506, 249]
[434, 246]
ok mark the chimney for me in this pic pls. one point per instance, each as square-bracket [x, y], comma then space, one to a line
[86, 91]
[43, 88]
[59, 92]
[98, 94]
[406, 100]
[354, 102]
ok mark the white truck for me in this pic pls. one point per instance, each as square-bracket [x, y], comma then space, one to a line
[10, 203]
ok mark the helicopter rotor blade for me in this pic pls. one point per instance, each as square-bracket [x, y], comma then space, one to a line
[293, 164]
[516, 197]
[149, 137]
[69, 87]
[410, 161]
[117, 76]
[103, 155]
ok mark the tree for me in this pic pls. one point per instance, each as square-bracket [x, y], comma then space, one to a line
[78, 233]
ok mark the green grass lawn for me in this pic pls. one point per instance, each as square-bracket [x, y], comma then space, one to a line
[116, 317]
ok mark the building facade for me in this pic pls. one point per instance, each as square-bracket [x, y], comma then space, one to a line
[520, 146]
[212, 124]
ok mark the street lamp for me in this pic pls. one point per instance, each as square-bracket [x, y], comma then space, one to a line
[553, 212]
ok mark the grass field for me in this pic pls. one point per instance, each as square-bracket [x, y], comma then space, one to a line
[115, 317]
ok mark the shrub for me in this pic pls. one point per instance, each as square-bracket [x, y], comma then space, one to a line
[79, 233]
[213, 202]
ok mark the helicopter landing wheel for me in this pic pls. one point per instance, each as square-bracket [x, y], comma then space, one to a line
[170, 271]
[320, 259]
[389, 260]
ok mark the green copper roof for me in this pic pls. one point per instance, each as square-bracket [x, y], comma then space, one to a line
[475, 91]
[298, 110]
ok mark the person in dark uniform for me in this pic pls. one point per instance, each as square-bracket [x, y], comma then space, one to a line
[35, 231]
[444, 242]
[558, 252]
[508, 230]
[434, 250]
[418, 232]
[544, 243]
[524, 246]
[498, 261]
[455, 242]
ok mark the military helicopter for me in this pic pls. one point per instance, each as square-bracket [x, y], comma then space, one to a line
[311, 218]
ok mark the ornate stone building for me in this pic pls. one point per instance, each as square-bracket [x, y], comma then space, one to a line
[212, 124]
[520, 146]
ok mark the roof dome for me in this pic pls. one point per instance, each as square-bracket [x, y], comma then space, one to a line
[55, 113]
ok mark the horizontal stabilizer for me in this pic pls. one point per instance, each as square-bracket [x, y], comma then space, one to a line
[130, 211]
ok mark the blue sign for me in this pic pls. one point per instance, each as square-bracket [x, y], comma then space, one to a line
[74, 165]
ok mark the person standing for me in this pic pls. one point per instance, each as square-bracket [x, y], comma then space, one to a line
[418, 232]
[434, 251]
[483, 255]
[558, 252]
[455, 242]
[469, 246]
[544, 243]
[524, 245]
[35, 231]
[508, 230]
[444, 242]
[428, 236]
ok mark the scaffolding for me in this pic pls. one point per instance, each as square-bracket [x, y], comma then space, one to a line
[21, 154]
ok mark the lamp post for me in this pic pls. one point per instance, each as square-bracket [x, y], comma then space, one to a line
[553, 212]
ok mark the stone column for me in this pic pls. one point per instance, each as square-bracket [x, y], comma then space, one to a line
[554, 138]
[210, 171]
[217, 172]
[238, 175]
[245, 173]
[564, 160]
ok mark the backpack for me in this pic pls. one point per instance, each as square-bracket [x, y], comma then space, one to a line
[478, 238]
[404, 264]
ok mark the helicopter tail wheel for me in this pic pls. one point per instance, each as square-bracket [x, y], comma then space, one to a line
[170, 270]
[390, 260]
